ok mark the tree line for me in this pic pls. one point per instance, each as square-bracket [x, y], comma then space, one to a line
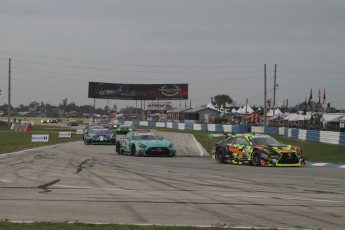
[35, 108]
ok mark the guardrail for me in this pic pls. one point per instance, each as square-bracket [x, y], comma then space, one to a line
[329, 137]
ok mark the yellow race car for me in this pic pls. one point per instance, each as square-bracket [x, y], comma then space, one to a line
[257, 150]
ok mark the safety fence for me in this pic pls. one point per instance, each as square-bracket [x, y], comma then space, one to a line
[302, 134]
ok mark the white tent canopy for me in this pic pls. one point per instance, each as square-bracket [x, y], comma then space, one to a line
[327, 117]
[210, 105]
[245, 110]
[306, 117]
[274, 112]
[295, 117]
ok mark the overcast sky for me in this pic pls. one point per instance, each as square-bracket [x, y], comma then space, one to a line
[216, 46]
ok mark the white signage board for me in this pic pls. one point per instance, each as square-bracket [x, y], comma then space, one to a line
[80, 131]
[40, 138]
[65, 134]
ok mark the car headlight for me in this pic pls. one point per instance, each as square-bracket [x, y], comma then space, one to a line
[171, 146]
[142, 145]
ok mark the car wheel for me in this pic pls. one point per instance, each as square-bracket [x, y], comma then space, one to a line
[86, 142]
[220, 156]
[256, 158]
[133, 150]
[118, 148]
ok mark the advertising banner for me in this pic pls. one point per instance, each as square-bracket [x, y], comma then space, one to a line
[65, 134]
[40, 138]
[80, 131]
[138, 91]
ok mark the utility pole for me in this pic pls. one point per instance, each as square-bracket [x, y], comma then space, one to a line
[9, 95]
[274, 88]
[265, 95]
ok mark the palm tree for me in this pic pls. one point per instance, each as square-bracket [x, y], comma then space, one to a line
[220, 101]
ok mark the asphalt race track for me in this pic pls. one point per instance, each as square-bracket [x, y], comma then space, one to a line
[93, 184]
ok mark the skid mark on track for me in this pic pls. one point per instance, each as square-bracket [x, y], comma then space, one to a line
[88, 163]
[45, 187]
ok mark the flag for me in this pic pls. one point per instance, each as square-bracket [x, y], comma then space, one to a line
[310, 96]
[305, 106]
[319, 96]
[324, 96]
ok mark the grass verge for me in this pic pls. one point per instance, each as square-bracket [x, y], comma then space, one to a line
[12, 141]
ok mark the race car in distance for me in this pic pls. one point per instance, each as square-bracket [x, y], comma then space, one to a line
[145, 143]
[257, 150]
[72, 123]
[99, 136]
[124, 129]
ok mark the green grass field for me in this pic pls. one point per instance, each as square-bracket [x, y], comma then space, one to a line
[12, 141]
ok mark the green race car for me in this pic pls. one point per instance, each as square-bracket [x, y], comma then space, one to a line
[99, 136]
[257, 150]
[145, 143]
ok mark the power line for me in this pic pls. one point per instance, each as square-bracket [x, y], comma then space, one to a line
[131, 65]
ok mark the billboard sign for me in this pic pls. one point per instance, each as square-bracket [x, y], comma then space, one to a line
[138, 91]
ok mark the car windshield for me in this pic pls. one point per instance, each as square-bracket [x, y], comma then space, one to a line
[146, 136]
[265, 141]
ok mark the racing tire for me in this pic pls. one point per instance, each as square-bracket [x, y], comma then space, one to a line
[133, 150]
[86, 142]
[256, 158]
[220, 156]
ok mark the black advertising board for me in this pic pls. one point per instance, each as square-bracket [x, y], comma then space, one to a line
[138, 91]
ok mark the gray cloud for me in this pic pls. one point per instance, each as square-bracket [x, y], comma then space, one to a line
[216, 46]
